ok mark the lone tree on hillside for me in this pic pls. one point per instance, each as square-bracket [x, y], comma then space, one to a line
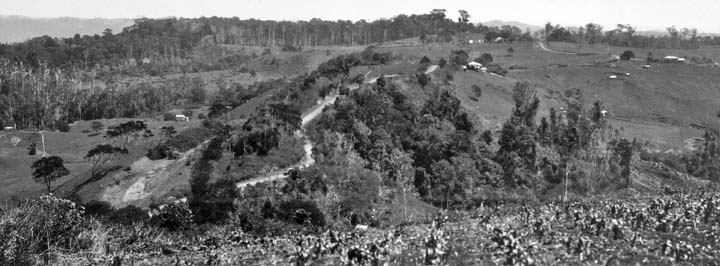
[48, 169]
[425, 60]
[627, 55]
[100, 155]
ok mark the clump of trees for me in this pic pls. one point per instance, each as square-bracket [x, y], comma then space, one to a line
[100, 156]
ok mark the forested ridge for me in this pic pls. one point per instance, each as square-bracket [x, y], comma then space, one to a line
[173, 39]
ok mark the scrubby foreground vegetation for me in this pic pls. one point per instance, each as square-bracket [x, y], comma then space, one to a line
[673, 228]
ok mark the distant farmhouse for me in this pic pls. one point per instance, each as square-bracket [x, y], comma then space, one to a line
[673, 59]
[181, 118]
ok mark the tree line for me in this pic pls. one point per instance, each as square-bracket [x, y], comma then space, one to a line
[172, 40]
[626, 35]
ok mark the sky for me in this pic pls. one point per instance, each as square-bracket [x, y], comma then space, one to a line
[643, 14]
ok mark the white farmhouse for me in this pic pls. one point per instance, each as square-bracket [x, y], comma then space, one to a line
[181, 118]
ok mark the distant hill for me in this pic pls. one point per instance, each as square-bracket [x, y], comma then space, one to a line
[521, 25]
[19, 28]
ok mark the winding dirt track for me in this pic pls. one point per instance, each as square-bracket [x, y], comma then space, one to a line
[307, 160]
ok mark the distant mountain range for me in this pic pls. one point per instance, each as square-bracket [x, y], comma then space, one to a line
[20, 28]
[521, 25]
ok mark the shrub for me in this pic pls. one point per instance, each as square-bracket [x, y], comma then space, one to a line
[168, 117]
[477, 90]
[201, 116]
[98, 208]
[510, 50]
[212, 211]
[627, 55]
[158, 152]
[174, 216]
[425, 60]
[459, 57]
[62, 126]
[97, 126]
[442, 63]
[32, 149]
[487, 137]
[36, 226]
[301, 212]
[187, 113]
[423, 79]
[484, 59]
[496, 69]
[128, 215]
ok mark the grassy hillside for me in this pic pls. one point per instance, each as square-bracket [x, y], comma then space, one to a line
[658, 104]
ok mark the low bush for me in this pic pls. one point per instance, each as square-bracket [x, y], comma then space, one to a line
[301, 212]
[168, 117]
[32, 149]
[484, 59]
[39, 225]
[97, 126]
[159, 152]
[98, 208]
[128, 216]
[627, 55]
[62, 126]
[174, 216]
[496, 69]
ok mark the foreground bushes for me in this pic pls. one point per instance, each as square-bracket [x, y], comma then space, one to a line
[37, 226]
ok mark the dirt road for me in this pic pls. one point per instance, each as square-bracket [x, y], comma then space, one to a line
[307, 160]
[544, 48]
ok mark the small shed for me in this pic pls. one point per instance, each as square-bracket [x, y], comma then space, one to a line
[181, 118]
